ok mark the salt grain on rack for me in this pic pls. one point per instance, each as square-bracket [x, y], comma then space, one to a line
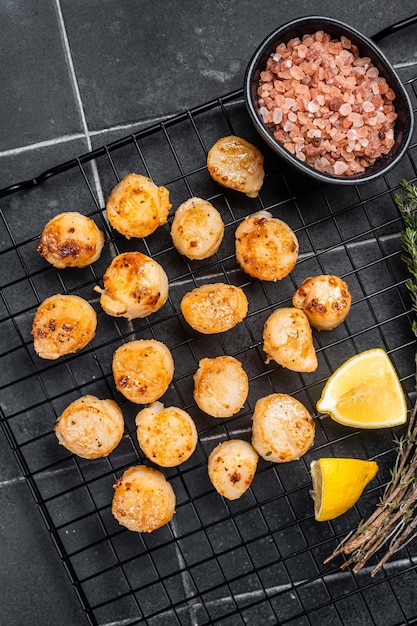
[327, 105]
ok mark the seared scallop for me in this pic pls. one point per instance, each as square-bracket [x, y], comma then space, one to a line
[231, 467]
[235, 163]
[62, 325]
[220, 386]
[266, 247]
[71, 240]
[282, 428]
[143, 499]
[137, 207]
[197, 229]
[324, 299]
[214, 308]
[143, 370]
[288, 340]
[134, 286]
[89, 427]
[167, 436]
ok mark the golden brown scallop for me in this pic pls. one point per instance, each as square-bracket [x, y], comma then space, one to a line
[231, 467]
[288, 340]
[137, 207]
[71, 240]
[197, 229]
[235, 163]
[266, 247]
[143, 499]
[324, 299]
[134, 286]
[62, 325]
[167, 436]
[214, 308]
[282, 428]
[89, 427]
[143, 370]
[220, 386]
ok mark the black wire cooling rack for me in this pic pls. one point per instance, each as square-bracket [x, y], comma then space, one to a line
[257, 560]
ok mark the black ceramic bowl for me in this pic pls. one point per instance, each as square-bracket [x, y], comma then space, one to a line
[308, 25]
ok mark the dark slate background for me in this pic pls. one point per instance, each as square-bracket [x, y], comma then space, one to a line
[75, 74]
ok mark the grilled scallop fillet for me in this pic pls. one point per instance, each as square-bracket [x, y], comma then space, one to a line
[167, 436]
[143, 499]
[282, 428]
[288, 340]
[143, 370]
[134, 286]
[214, 308]
[137, 207]
[197, 229]
[71, 240]
[324, 299]
[266, 247]
[231, 467]
[62, 325]
[235, 163]
[89, 427]
[220, 386]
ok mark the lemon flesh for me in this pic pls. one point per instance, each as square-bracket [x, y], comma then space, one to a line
[365, 392]
[338, 483]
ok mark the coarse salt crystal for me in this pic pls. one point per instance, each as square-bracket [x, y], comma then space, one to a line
[368, 106]
[263, 112]
[352, 134]
[345, 109]
[288, 126]
[375, 88]
[277, 115]
[340, 168]
[290, 103]
[313, 106]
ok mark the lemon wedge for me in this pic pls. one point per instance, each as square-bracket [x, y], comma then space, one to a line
[365, 392]
[338, 484]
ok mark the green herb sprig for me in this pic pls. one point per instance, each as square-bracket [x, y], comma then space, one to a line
[394, 521]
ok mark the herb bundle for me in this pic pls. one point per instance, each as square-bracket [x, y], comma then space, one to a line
[394, 522]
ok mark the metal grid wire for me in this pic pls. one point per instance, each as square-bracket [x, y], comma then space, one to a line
[257, 560]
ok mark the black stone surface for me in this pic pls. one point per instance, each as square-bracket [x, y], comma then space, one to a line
[74, 74]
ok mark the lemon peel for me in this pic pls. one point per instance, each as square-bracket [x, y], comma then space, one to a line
[338, 483]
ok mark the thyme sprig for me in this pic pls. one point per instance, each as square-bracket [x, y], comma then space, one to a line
[394, 521]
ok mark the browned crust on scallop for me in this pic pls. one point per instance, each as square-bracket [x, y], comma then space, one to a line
[288, 340]
[325, 299]
[282, 428]
[62, 325]
[134, 286]
[266, 247]
[71, 239]
[143, 499]
[231, 467]
[235, 163]
[215, 380]
[143, 370]
[214, 308]
[136, 207]
[90, 427]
